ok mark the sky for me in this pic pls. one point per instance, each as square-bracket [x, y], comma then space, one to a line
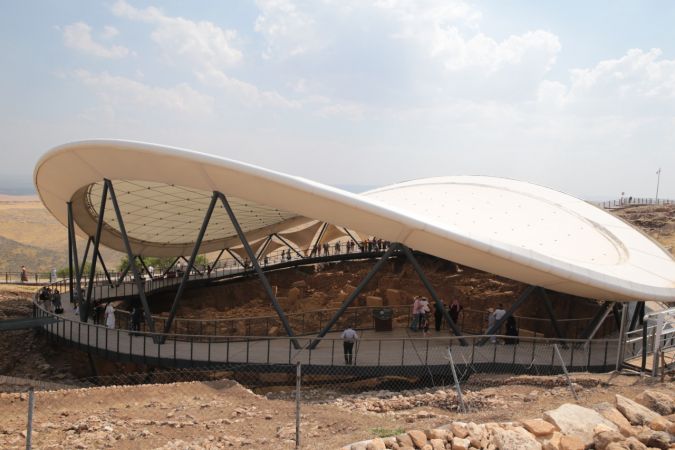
[577, 96]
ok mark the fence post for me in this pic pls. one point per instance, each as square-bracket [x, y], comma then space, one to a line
[458, 388]
[567, 375]
[298, 376]
[29, 425]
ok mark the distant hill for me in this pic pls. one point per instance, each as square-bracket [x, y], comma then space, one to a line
[30, 236]
[36, 259]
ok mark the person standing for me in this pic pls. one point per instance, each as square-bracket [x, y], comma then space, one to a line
[415, 314]
[24, 274]
[349, 338]
[491, 322]
[455, 309]
[438, 315]
[109, 316]
[136, 318]
[151, 272]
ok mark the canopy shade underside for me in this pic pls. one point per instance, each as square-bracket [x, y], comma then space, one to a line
[510, 228]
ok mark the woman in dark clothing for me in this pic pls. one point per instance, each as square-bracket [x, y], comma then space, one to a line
[511, 331]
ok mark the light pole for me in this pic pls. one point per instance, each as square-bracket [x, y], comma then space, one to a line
[658, 179]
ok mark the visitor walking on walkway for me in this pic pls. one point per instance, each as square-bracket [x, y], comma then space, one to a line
[455, 309]
[110, 316]
[24, 274]
[349, 338]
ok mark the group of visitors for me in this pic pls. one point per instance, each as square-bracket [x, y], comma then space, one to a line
[104, 314]
[421, 313]
[50, 299]
[494, 316]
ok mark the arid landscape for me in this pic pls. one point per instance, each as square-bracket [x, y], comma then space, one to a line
[225, 414]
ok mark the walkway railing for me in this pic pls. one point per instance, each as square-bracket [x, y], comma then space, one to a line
[526, 355]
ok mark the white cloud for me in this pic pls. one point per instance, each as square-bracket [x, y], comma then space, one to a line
[246, 93]
[109, 32]
[203, 43]
[78, 36]
[639, 80]
[120, 92]
[287, 30]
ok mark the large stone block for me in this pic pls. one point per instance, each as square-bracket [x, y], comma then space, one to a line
[612, 414]
[640, 415]
[574, 420]
[516, 438]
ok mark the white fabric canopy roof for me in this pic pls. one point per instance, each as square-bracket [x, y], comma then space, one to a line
[514, 229]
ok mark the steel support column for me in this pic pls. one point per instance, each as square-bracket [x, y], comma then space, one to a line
[69, 207]
[355, 293]
[261, 275]
[105, 269]
[597, 319]
[439, 304]
[509, 312]
[551, 313]
[130, 257]
[289, 245]
[78, 273]
[84, 311]
[191, 262]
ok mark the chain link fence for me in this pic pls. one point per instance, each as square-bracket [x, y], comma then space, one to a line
[431, 372]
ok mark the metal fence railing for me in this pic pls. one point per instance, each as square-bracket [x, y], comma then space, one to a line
[633, 201]
[171, 350]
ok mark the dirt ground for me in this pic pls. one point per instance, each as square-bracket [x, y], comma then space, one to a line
[223, 414]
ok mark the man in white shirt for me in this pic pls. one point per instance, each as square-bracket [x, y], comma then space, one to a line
[498, 315]
[349, 337]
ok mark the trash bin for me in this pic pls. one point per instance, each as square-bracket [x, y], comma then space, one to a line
[382, 318]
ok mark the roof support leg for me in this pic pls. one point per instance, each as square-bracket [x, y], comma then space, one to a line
[358, 244]
[315, 246]
[600, 322]
[191, 262]
[84, 312]
[289, 245]
[355, 293]
[551, 313]
[263, 247]
[509, 312]
[616, 309]
[69, 207]
[122, 275]
[140, 258]
[637, 314]
[261, 275]
[105, 269]
[439, 304]
[596, 320]
[235, 257]
[166, 271]
[130, 257]
[84, 260]
[216, 261]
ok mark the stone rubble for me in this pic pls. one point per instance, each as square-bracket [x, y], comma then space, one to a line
[628, 425]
